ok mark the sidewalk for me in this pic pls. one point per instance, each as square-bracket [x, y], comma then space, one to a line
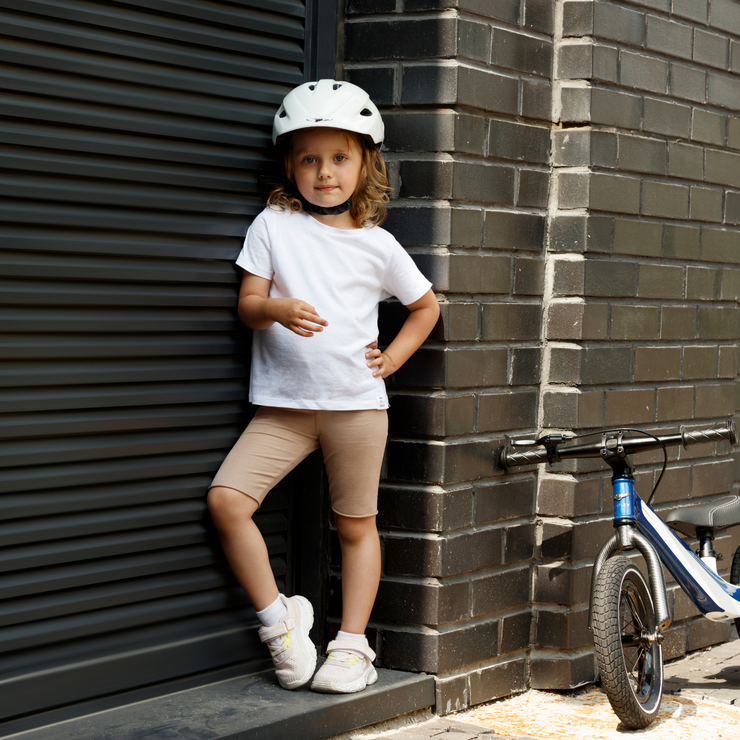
[701, 693]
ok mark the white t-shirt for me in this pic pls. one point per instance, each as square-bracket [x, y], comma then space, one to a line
[343, 274]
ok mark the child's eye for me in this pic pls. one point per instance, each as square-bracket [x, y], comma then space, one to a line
[309, 160]
[340, 158]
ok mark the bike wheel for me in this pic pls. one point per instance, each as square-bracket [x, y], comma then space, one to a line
[735, 578]
[629, 657]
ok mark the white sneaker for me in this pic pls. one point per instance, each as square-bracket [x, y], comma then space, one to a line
[345, 672]
[292, 651]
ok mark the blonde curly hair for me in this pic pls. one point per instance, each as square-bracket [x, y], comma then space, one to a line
[368, 201]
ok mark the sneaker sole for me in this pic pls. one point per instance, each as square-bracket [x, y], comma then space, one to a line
[304, 642]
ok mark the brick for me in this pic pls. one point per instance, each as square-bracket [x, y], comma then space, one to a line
[716, 401]
[695, 10]
[642, 154]
[426, 179]
[515, 630]
[473, 40]
[569, 410]
[719, 245]
[522, 53]
[474, 368]
[378, 82]
[688, 82]
[460, 321]
[704, 633]
[466, 227]
[401, 39]
[708, 127]
[734, 56]
[638, 237]
[711, 49]
[601, 365]
[699, 362]
[432, 416]
[411, 131]
[595, 321]
[566, 630]
[685, 160]
[569, 233]
[506, 411]
[574, 147]
[725, 16]
[518, 141]
[678, 322]
[657, 363]
[489, 91]
[705, 204]
[588, 537]
[565, 365]
[519, 543]
[660, 281]
[619, 24]
[614, 193]
[593, 62]
[669, 37]
[578, 18]
[424, 509]
[525, 366]
[675, 404]
[565, 321]
[568, 277]
[420, 224]
[500, 591]
[363, 7]
[508, 230]
[421, 603]
[610, 278]
[479, 273]
[634, 322]
[727, 362]
[554, 670]
[538, 15]
[451, 694]
[702, 283]
[681, 242]
[482, 182]
[562, 584]
[529, 277]
[499, 501]
[536, 100]
[730, 284]
[533, 189]
[665, 200]
[495, 682]
[643, 72]
[565, 497]
[723, 90]
[617, 108]
[732, 207]
[722, 167]
[663, 117]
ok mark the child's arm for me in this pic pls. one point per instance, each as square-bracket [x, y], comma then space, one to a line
[416, 328]
[258, 311]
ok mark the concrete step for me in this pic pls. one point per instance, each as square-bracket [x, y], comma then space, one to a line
[251, 707]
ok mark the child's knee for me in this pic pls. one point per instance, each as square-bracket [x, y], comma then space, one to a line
[223, 501]
[355, 529]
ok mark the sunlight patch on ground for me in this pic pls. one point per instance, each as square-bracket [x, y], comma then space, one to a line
[589, 716]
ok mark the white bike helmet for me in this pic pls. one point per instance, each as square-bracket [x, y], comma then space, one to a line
[328, 104]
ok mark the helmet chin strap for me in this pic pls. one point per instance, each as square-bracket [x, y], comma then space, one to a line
[321, 211]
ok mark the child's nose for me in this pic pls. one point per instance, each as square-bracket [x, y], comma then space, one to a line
[325, 169]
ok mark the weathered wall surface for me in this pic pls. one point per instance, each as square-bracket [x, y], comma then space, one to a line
[641, 318]
[568, 175]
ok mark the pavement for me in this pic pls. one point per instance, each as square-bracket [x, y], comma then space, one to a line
[701, 695]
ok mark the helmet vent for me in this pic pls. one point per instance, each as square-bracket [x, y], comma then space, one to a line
[312, 87]
[282, 114]
[335, 86]
[366, 112]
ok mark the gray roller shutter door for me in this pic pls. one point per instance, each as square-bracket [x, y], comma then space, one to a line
[133, 135]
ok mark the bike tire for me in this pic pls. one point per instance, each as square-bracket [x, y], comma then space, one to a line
[630, 663]
[735, 579]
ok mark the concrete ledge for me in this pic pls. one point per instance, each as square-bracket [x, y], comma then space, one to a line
[250, 707]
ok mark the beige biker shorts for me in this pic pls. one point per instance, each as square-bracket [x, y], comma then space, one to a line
[277, 439]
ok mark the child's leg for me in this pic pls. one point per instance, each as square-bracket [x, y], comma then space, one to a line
[243, 544]
[358, 538]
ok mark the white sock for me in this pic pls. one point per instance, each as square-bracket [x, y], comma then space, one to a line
[353, 638]
[273, 614]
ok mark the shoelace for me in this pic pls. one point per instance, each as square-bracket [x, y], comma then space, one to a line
[280, 644]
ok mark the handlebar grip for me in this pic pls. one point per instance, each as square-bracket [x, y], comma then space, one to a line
[528, 457]
[726, 431]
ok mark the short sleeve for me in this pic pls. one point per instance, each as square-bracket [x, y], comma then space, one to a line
[256, 256]
[402, 278]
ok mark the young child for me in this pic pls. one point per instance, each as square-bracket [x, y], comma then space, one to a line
[316, 264]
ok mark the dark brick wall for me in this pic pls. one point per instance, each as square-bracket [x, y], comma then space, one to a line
[641, 316]
[465, 89]
[567, 173]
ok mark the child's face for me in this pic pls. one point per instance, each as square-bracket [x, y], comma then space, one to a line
[327, 165]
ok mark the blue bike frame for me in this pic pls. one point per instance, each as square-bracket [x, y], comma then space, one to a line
[717, 599]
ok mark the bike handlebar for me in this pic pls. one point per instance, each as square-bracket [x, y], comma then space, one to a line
[550, 452]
